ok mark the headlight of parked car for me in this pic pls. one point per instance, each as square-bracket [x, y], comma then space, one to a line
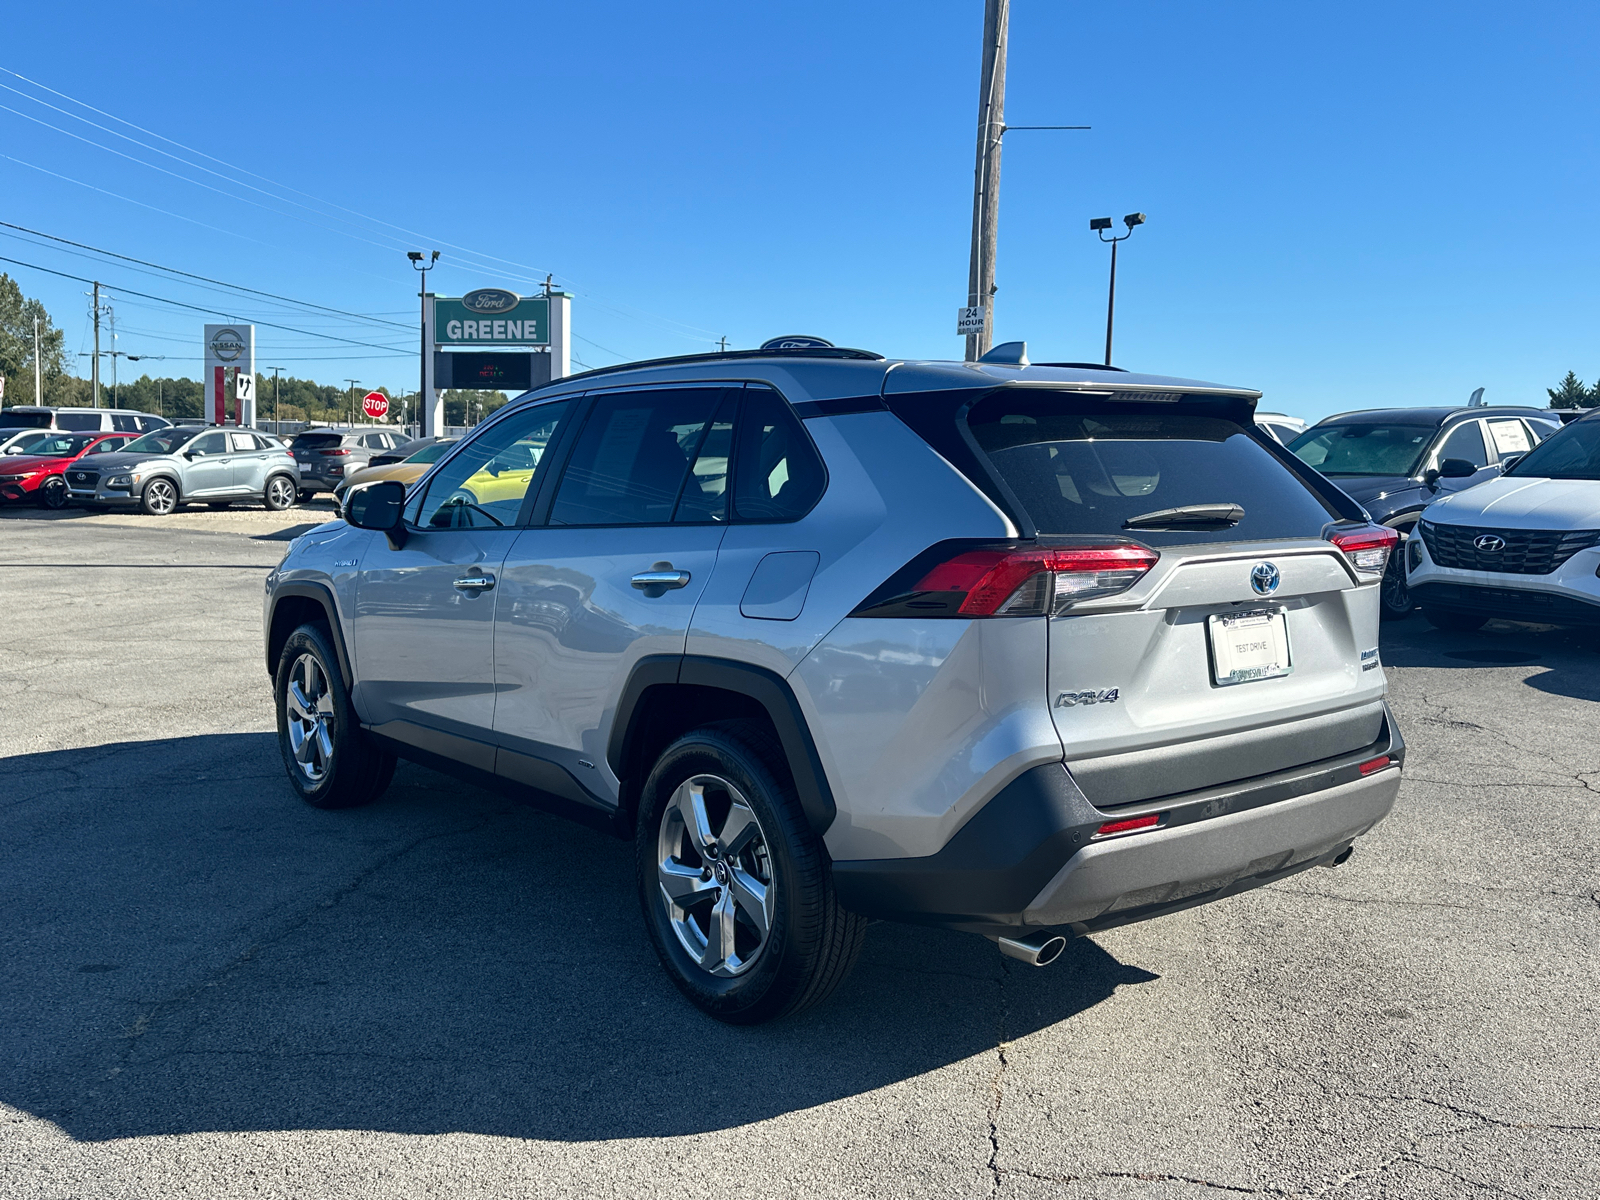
[121, 480]
[17, 478]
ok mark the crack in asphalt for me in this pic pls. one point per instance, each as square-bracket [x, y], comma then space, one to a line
[997, 1084]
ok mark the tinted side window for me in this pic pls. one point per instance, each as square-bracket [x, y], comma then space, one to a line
[77, 420]
[483, 486]
[705, 492]
[778, 475]
[1464, 441]
[632, 459]
[208, 443]
[125, 422]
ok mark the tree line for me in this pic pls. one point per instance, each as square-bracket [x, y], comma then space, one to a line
[287, 399]
[1570, 393]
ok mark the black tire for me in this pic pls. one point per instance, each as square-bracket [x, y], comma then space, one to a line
[305, 496]
[1395, 602]
[53, 493]
[356, 770]
[1456, 622]
[159, 498]
[278, 494]
[811, 943]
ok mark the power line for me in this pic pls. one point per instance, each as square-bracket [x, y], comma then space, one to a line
[203, 279]
[215, 312]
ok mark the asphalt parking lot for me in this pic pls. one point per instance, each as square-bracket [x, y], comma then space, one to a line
[211, 990]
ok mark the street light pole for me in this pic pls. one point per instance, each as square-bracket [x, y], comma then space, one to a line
[422, 333]
[351, 402]
[274, 371]
[1100, 225]
[38, 373]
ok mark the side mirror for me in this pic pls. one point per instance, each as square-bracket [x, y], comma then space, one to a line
[1508, 461]
[1457, 468]
[1430, 477]
[379, 506]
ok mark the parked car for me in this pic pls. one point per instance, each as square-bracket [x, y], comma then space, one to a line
[82, 420]
[405, 451]
[1525, 546]
[20, 441]
[1027, 651]
[39, 475]
[407, 470]
[1397, 461]
[1283, 429]
[169, 467]
[327, 456]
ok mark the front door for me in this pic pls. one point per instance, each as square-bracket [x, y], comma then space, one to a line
[424, 624]
[612, 576]
[210, 467]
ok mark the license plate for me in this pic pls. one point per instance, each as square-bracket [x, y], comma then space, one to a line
[1247, 646]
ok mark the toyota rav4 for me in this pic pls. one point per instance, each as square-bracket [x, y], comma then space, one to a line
[1024, 650]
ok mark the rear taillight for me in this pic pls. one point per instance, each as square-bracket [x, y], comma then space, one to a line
[1032, 582]
[334, 453]
[1367, 547]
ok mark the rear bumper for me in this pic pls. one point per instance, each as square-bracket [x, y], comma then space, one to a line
[1031, 857]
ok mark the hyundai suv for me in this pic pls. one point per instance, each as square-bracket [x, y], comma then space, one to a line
[1024, 650]
[327, 456]
[169, 467]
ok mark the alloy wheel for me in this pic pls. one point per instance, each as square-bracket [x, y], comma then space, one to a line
[161, 497]
[715, 874]
[309, 705]
[280, 493]
[1396, 591]
[53, 492]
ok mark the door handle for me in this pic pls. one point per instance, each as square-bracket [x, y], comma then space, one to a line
[475, 583]
[660, 578]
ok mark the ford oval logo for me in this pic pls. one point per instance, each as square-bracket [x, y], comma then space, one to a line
[490, 300]
[1489, 543]
[1264, 579]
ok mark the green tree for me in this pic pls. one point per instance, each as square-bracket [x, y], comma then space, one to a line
[17, 314]
[465, 406]
[1570, 394]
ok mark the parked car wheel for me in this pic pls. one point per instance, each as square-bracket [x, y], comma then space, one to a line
[1458, 622]
[305, 495]
[1396, 603]
[279, 493]
[53, 492]
[736, 889]
[331, 762]
[159, 498]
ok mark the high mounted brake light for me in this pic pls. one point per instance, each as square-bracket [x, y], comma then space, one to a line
[1367, 546]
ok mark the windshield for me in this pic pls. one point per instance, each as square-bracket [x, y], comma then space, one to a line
[1386, 449]
[1574, 453]
[61, 445]
[25, 420]
[162, 441]
[23, 443]
[431, 453]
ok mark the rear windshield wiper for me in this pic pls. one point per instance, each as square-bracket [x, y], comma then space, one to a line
[1190, 516]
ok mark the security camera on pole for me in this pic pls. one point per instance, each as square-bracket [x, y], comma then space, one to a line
[1099, 225]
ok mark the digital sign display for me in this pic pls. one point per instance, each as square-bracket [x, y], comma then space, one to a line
[509, 372]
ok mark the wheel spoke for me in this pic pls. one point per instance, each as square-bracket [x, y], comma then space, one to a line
[719, 934]
[691, 801]
[683, 885]
[738, 830]
[753, 897]
[324, 742]
[304, 752]
[299, 704]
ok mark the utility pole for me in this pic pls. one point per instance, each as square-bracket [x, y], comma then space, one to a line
[352, 401]
[38, 373]
[274, 371]
[94, 370]
[113, 315]
[986, 175]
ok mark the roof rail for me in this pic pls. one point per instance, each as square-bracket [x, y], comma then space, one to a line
[719, 356]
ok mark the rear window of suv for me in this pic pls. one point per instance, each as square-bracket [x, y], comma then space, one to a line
[318, 441]
[1096, 472]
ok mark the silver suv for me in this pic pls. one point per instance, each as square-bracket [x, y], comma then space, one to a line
[1029, 651]
[169, 467]
[327, 456]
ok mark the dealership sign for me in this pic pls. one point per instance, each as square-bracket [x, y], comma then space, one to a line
[491, 317]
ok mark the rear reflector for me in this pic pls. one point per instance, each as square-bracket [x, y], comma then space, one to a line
[1375, 764]
[1150, 821]
[1366, 546]
[1032, 582]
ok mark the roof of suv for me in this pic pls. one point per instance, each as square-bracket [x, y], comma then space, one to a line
[837, 373]
[1426, 416]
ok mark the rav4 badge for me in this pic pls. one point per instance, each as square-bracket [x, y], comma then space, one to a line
[1073, 699]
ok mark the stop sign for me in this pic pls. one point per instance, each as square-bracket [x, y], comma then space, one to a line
[375, 405]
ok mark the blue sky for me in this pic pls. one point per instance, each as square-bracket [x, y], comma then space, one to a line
[1350, 206]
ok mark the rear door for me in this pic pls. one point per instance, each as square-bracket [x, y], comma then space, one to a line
[613, 575]
[424, 623]
[249, 463]
[1248, 648]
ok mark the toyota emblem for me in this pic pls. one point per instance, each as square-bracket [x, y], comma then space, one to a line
[1264, 578]
[1489, 543]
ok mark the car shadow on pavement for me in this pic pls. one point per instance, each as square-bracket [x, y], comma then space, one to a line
[1562, 662]
[187, 947]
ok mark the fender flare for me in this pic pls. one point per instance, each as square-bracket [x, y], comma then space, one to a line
[170, 476]
[767, 688]
[323, 595]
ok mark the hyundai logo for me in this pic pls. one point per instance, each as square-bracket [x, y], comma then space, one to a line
[1489, 543]
[1264, 579]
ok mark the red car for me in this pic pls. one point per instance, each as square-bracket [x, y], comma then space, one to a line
[38, 475]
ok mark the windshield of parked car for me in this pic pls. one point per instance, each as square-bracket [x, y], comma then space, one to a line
[1574, 453]
[429, 454]
[162, 441]
[62, 445]
[22, 443]
[1387, 448]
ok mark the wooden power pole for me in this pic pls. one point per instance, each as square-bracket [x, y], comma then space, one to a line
[94, 370]
[986, 182]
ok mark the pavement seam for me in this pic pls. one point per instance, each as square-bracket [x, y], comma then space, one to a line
[997, 1084]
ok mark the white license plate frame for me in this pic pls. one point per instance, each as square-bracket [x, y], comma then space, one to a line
[1234, 657]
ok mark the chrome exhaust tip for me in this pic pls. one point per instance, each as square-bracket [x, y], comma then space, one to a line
[1037, 950]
